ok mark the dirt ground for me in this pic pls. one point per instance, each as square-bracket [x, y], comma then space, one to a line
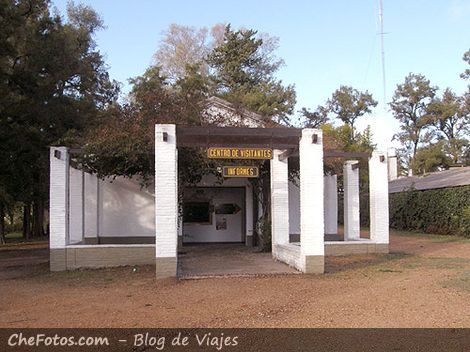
[424, 282]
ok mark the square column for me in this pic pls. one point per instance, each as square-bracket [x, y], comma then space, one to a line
[279, 201]
[378, 190]
[58, 207]
[166, 201]
[331, 205]
[312, 243]
[249, 215]
[352, 223]
[392, 164]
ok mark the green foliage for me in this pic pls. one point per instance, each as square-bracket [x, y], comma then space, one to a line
[466, 58]
[410, 105]
[244, 75]
[430, 158]
[450, 116]
[348, 104]
[442, 211]
[52, 81]
[315, 119]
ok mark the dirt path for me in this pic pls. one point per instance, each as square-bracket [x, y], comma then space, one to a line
[424, 282]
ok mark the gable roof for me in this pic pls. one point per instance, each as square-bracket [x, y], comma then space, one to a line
[454, 177]
[218, 106]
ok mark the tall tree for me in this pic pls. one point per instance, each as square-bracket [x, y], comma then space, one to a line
[348, 104]
[53, 83]
[245, 76]
[185, 46]
[431, 157]
[449, 115]
[466, 58]
[316, 118]
[410, 106]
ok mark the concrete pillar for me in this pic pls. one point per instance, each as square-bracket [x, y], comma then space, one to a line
[166, 201]
[392, 164]
[249, 215]
[331, 206]
[352, 223]
[312, 244]
[58, 207]
[279, 201]
[378, 190]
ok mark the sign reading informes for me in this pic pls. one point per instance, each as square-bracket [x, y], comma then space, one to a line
[240, 153]
[240, 171]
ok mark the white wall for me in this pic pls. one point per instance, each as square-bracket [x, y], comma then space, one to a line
[76, 206]
[193, 232]
[127, 210]
[294, 208]
[123, 208]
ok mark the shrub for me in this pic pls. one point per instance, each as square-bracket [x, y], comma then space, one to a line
[444, 211]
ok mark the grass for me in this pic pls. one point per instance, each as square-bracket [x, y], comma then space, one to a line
[17, 237]
[461, 281]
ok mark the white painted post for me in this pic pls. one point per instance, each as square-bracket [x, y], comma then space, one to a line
[249, 215]
[279, 201]
[331, 204]
[378, 190]
[312, 244]
[166, 200]
[352, 224]
[392, 164]
[58, 207]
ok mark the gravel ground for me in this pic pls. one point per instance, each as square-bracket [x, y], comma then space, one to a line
[424, 282]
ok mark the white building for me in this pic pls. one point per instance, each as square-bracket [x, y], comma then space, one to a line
[96, 223]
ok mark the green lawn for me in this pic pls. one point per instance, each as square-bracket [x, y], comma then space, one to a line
[17, 237]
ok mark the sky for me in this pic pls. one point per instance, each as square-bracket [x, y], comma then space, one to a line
[324, 44]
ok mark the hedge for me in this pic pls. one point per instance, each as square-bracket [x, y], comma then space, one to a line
[442, 211]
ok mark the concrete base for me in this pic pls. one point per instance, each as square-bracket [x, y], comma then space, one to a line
[289, 254]
[332, 237]
[314, 264]
[294, 237]
[120, 240]
[100, 256]
[249, 241]
[165, 267]
[337, 248]
[57, 260]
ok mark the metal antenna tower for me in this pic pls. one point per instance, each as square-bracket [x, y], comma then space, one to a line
[381, 20]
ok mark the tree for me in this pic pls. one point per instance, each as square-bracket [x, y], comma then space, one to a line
[53, 83]
[348, 104]
[431, 158]
[449, 115]
[243, 72]
[410, 106]
[184, 46]
[466, 58]
[315, 119]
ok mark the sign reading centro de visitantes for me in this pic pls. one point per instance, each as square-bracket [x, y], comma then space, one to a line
[240, 153]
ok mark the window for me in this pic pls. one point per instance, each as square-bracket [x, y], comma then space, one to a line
[198, 212]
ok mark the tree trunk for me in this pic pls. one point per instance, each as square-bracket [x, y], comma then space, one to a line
[27, 221]
[2, 224]
[38, 218]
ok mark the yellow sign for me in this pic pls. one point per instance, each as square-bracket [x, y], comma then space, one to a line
[240, 153]
[240, 171]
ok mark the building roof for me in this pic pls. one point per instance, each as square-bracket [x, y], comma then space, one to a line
[453, 177]
[232, 115]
